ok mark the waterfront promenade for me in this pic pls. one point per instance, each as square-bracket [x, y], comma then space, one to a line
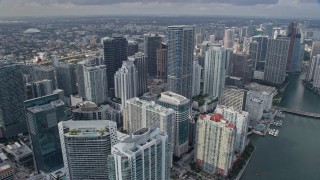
[298, 112]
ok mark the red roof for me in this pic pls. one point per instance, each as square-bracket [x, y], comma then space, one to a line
[232, 126]
[216, 117]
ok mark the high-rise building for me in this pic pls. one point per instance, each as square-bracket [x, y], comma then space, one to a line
[88, 110]
[294, 61]
[143, 114]
[314, 71]
[241, 120]
[80, 79]
[212, 39]
[126, 82]
[180, 59]
[251, 29]
[162, 63]
[43, 116]
[152, 43]
[86, 146]
[197, 69]
[246, 44]
[95, 82]
[143, 155]
[181, 106]
[12, 95]
[66, 79]
[215, 70]
[315, 48]
[215, 144]
[133, 47]
[228, 38]
[276, 60]
[141, 63]
[242, 67]
[258, 51]
[44, 72]
[269, 29]
[233, 97]
[39, 89]
[115, 51]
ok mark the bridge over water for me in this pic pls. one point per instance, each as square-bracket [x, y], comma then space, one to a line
[298, 112]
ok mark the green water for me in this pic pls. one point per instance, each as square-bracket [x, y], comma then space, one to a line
[295, 154]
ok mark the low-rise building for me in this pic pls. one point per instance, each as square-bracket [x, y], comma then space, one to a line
[6, 171]
[21, 153]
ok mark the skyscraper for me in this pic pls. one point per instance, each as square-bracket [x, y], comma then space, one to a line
[152, 43]
[88, 110]
[162, 63]
[246, 45]
[86, 146]
[314, 71]
[241, 120]
[293, 61]
[39, 88]
[95, 82]
[276, 60]
[66, 79]
[258, 51]
[80, 79]
[126, 82]
[133, 47]
[215, 144]
[269, 29]
[43, 116]
[315, 48]
[197, 69]
[215, 70]
[44, 72]
[181, 106]
[115, 51]
[233, 97]
[144, 155]
[141, 63]
[12, 95]
[180, 59]
[228, 38]
[242, 67]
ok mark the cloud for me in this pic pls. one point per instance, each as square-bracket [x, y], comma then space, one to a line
[110, 2]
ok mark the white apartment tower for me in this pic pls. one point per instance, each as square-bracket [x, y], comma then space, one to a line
[95, 82]
[215, 143]
[217, 59]
[143, 155]
[86, 146]
[126, 82]
[241, 120]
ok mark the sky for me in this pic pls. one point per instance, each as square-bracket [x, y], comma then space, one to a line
[263, 8]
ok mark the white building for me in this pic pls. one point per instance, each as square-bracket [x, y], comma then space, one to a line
[182, 108]
[143, 114]
[216, 61]
[197, 69]
[144, 155]
[95, 82]
[228, 38]
[265, 93]
[215, 144]
[254, 107]
[314, 71]
[86, 146]
[241, 120]
[126, 82]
